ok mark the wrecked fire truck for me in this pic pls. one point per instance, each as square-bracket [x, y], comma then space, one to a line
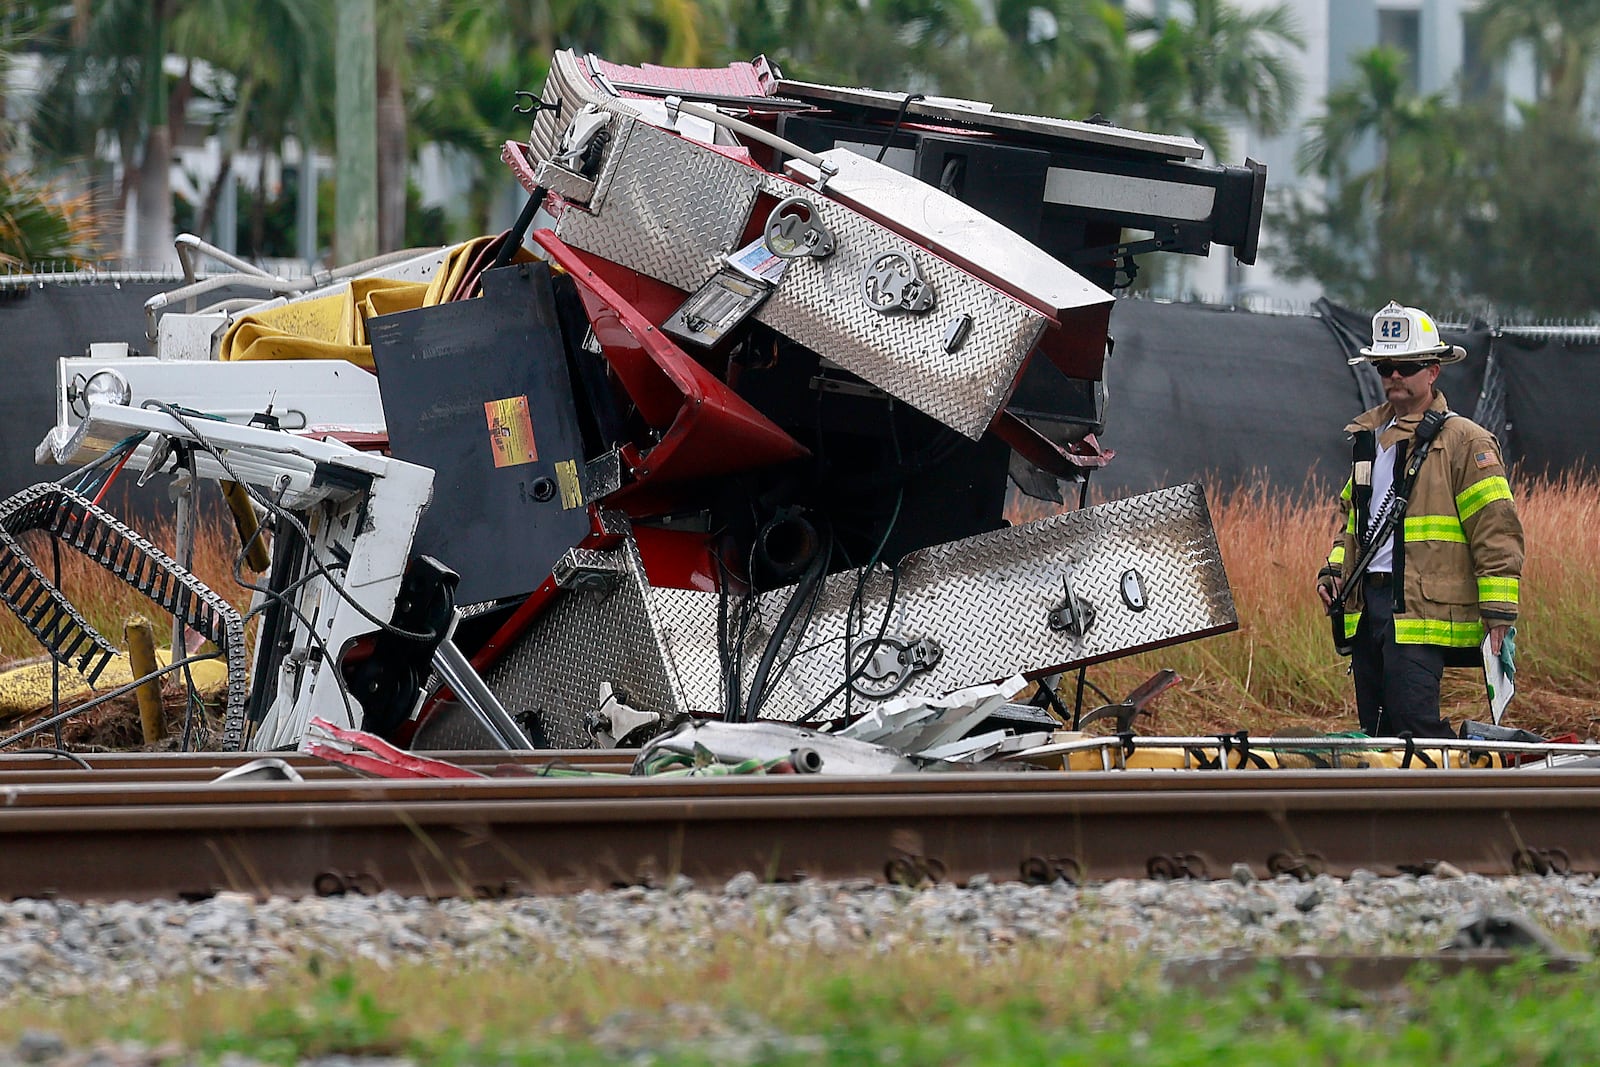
[721, 430]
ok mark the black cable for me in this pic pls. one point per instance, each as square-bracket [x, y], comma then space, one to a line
[264, 590]
[282, 596]
[63, 753]
[857, 597]
[55, 664]
[883, 627]
[805, 590]
[190, 693]
[899, 117]
[805, 625]
[727, 666]
[321, 648]
[105, 459]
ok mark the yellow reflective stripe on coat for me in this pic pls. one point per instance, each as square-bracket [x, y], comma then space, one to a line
[1350, 523]
[1434, 528]
[1503, 590]
[1473, 498]
[1352, 619]
[1336, 557]
[1438, 632]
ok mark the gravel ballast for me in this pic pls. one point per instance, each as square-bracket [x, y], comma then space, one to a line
[60, 948]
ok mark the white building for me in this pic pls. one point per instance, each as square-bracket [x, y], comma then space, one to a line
[1442, 40]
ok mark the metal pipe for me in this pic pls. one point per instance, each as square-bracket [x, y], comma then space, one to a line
[676, 104]
[188, 244]
[206, 285]
[458, 674]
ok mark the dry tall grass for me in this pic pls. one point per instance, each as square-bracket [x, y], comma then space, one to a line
[1277, 671]
[107, 602]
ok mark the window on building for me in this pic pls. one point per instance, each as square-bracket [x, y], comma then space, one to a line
[1480, 77]
[1402, 30]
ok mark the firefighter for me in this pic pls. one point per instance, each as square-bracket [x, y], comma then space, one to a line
[1447, 570]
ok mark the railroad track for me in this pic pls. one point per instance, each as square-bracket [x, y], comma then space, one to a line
[151, 827]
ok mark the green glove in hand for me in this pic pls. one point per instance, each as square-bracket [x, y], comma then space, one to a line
[1508, 653]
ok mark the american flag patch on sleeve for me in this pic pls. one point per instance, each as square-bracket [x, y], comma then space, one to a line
[1484, 459]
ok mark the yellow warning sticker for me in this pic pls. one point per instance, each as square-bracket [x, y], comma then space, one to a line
[510, 431]
[567, 479]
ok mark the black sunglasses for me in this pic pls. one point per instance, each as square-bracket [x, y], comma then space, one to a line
[1407, 369]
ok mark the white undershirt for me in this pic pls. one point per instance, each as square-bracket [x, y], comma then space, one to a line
[1382, 482]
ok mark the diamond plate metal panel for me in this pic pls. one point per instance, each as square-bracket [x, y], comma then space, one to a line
[819, 304]
[565, 92]
[686, 620]
[986, 600]
[585, 638]
[672, 208]
[453, 727]
[564, 183]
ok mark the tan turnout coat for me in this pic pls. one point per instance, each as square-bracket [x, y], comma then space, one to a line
[1459, 559]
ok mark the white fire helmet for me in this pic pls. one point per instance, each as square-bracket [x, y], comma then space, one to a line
[1407, 333]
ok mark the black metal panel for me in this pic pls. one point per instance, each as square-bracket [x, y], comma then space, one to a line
[1005, 183]
[460, 377]
[1018, 168]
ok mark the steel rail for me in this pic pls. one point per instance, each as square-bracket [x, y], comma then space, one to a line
[23, 767]
[495, 837]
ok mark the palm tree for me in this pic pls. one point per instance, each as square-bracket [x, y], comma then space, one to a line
[1218, 62]
[464, 61]
[1565, 35]
[1066, 57]
[111, 79]
[1376, 105]
[39, 224]
[1412, 144]
[278, 84]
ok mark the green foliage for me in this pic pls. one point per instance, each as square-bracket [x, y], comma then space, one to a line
[1219, 62]
[263, 70]
[335, 1017]
[40, 226]
[1471, 207]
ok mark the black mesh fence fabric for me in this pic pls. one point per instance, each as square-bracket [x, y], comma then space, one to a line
[1195, 392]
[39, 324]
[1229, 397]
[1552, 401]
[1222, 396]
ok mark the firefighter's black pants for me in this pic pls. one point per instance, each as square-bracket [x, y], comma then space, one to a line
[1397, 686]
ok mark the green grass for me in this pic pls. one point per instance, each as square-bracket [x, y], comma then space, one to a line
[763, 1004]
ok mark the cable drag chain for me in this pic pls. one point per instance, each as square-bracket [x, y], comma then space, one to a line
[83, 526]
[48, 614]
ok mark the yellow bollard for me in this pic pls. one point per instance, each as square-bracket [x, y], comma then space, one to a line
[141, 641]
